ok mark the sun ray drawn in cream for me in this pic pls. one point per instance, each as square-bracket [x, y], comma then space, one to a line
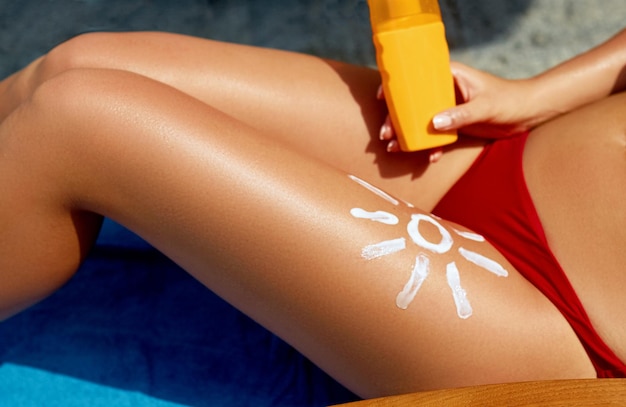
[378, 216]
[463, 306]
[421, 269]
[375, 190]
[385, 248]
[484, 262]
[420, 272]
[470, 235]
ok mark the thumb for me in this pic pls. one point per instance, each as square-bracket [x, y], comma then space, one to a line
[457, 117]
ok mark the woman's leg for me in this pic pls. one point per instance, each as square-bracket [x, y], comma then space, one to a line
[43, 239]
[575, 169]
[323, 109]
[291, 241]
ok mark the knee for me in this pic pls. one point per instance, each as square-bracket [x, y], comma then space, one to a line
[75, 53]
[67, 106]
[66, 91]
[75, 103]
[88, 50]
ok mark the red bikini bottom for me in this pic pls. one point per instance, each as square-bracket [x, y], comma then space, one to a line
[492, 199]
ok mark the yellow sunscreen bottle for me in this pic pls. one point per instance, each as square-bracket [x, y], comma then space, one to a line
[414, 62]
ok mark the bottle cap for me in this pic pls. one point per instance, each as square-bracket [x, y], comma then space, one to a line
[383, 12]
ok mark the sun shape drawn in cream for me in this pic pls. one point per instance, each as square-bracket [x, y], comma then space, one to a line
[422, 268]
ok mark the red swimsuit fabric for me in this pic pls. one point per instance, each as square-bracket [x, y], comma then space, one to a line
[492, 199]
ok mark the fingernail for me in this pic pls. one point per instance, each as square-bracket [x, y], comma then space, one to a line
[393, 147]
[442, 121]
[384, 130]
[435, 156]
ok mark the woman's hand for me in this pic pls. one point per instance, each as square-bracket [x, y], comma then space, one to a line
[488, 107]
[491, 107]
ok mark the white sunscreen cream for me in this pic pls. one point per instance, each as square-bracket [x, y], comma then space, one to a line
[421, 269]
[381, 249]
[375, 190]
[484, 262]
[443, 246]
[463, 306]
[378, 216]
[470, 236]
[420, 272]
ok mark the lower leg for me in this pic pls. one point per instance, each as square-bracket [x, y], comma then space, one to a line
[42, 239]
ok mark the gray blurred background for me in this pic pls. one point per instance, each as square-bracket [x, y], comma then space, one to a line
[512, 38]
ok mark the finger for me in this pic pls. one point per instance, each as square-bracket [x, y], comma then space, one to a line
[435, 155]
[386, 130]
[460, 116]
[456, 66]
[443, 121]
[467, 80]
[380, 93]
[393, 146]
[459, 69]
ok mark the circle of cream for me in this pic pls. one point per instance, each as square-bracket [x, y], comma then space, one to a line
[443, 246]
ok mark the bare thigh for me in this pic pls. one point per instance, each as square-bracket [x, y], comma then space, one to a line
[376, 292]
[576, 172]
[324, 109]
